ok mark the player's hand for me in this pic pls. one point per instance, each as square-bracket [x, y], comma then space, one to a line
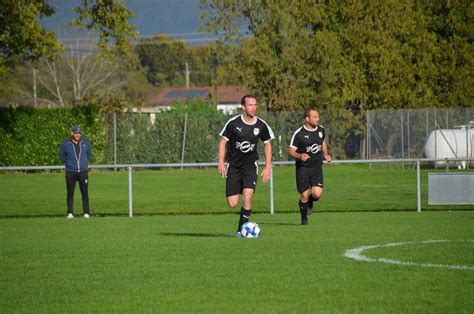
[305, 157]
[222, 169]
[328, 158]
[266, 174]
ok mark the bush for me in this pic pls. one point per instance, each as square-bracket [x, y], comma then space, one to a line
[32, 137]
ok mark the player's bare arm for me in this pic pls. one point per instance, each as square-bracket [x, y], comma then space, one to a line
[221, 155]
[295, 155]
[268, 163]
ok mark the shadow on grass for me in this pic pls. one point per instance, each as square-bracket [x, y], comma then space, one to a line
[196, 234]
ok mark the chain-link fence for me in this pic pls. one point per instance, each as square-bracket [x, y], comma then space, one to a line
[405, 133]
[172, 137]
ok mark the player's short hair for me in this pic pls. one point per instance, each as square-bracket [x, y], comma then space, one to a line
[242, 102]
[308, 110]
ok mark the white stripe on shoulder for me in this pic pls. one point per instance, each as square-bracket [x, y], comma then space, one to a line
[293, 137]
[270, 131]
[230, 120]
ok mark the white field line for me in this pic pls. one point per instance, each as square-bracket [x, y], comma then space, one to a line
[357, 254]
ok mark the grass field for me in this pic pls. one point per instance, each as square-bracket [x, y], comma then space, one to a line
[189, 263]
[347, 188]
[179, 254]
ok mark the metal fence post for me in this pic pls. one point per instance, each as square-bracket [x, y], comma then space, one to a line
[426, 123]
[272, 209]
[436, 138]
[367, 117]
[130, 194]
[447, 118]
[465, 164]
[418, 187]
[402, 137]
[184, 138]
[408, 133]
[115, 140]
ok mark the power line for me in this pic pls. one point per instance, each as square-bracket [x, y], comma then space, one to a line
[171, 35]
[157, 41]
[81, 46]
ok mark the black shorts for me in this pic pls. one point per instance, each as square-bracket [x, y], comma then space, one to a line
[308, 177]
[241, 178]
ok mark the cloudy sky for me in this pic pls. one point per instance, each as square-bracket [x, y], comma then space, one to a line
[179, 18]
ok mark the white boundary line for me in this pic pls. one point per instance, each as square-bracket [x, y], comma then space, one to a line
[357, 254]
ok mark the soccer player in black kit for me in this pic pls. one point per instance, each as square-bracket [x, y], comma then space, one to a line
[308, 147]
[239, 138]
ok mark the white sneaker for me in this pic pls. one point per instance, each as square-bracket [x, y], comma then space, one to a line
[70, 216]
[86, 216]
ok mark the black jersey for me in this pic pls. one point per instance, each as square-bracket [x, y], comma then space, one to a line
[309, 142]
[242, 139]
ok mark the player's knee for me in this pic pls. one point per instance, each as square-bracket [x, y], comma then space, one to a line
[317, 193]
[304, 197]
[317, 196]
[232, 203]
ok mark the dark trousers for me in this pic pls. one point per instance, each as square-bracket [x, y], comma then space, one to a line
[83, 178]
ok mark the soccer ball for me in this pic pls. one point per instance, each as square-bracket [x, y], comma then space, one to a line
[250, 230]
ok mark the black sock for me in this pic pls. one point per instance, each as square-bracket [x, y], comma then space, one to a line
[311, 200]
[244, 217]
[303, 209]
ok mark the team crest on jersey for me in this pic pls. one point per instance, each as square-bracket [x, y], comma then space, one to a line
[320, 134]
[256, 131]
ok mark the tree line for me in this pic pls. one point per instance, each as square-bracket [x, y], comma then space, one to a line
[356, 54]
[352, 55]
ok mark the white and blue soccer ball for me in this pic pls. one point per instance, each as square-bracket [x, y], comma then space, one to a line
[250, 230]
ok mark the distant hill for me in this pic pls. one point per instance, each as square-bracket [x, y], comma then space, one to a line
[179, 18]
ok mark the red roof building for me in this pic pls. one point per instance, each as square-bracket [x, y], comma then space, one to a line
[228, 97]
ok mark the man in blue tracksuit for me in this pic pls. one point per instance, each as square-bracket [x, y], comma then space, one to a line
[76, 153]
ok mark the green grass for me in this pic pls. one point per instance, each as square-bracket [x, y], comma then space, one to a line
[347, 188]
[192, 263]
[179, 254]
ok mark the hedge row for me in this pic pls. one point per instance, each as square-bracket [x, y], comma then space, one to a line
[141, 141]
[32, 137]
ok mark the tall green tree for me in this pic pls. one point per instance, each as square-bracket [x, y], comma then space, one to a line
[165, 60]
[109, 20]
[23, 38]
[202, 65]
[292, 56]
[452, 22]
[358, 54]
[388, 42]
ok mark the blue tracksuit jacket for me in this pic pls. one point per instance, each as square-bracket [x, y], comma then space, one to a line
[67, 154]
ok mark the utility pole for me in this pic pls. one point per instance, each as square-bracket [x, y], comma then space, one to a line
[214, 81]
[35, 101]
[187, 73]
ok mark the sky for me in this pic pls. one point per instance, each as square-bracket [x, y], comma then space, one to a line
[178, 18]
